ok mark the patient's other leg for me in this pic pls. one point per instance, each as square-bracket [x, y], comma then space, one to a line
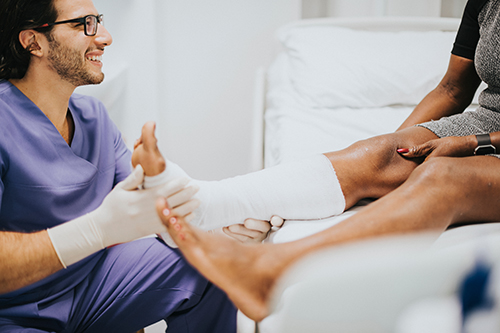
[452, 190]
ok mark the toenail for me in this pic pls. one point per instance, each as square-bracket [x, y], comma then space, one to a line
[166, 212]
[177, 227]
[173, 220]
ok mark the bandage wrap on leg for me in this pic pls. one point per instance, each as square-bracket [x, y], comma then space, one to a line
[305, 189]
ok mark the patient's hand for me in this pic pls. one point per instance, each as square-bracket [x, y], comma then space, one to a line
[451, 146]
[146, 152]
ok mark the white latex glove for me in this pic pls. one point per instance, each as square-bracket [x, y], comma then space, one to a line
[251, 231]
[125, 214]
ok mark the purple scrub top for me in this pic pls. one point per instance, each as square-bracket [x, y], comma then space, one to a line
[45, 182]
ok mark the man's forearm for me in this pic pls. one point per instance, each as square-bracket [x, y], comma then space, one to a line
[25, 258]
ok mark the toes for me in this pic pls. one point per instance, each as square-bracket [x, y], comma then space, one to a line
[165, 213]
[177, 227]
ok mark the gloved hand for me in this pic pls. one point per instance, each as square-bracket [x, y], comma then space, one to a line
[251, 231]
[125, 214]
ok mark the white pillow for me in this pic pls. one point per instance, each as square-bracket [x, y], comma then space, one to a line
[332, 66]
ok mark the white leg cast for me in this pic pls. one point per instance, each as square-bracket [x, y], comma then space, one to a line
[305, 189]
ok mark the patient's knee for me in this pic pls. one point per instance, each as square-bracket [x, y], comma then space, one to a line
[378, 150]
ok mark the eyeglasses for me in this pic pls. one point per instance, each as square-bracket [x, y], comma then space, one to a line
[90, 23]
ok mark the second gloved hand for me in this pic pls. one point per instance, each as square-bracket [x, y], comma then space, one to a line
[251, 231]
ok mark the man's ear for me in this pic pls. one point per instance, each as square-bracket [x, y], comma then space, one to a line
[29, 40]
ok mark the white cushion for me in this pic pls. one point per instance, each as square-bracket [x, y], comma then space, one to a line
[333, 67]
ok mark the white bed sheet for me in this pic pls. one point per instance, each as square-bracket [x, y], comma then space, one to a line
[293, 133]
[295, 127]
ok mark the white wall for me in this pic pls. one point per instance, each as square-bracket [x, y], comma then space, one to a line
[190, 66]
[452, 8]
[211, 51]
[130, 65]
[335, 8]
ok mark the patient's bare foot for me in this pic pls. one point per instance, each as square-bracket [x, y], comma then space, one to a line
[246, 272]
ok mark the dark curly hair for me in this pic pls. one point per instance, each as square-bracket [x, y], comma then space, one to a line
[16, 16]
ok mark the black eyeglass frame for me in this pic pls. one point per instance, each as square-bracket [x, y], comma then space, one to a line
[83, 20]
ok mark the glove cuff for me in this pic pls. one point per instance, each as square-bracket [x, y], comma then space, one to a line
[75, 240]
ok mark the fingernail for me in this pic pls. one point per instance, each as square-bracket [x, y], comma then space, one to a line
[173, 220]
[166, 212]
[403, 150]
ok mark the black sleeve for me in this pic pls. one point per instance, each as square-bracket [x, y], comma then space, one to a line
[468, 32]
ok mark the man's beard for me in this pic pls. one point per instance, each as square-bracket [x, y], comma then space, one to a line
[70, 65]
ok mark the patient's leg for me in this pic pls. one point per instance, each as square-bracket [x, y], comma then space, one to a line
[303, 189]
[372, 168]
[311, 188]
[452, 190]
[315, 187]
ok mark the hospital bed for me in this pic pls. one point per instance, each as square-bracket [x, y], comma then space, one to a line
[336, 81]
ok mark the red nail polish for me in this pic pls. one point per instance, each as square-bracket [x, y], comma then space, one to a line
[173, 220]
[403, 150]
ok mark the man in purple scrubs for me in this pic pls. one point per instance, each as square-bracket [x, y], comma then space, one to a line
[67, 194]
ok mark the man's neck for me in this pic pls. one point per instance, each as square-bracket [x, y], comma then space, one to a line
[51, 95]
